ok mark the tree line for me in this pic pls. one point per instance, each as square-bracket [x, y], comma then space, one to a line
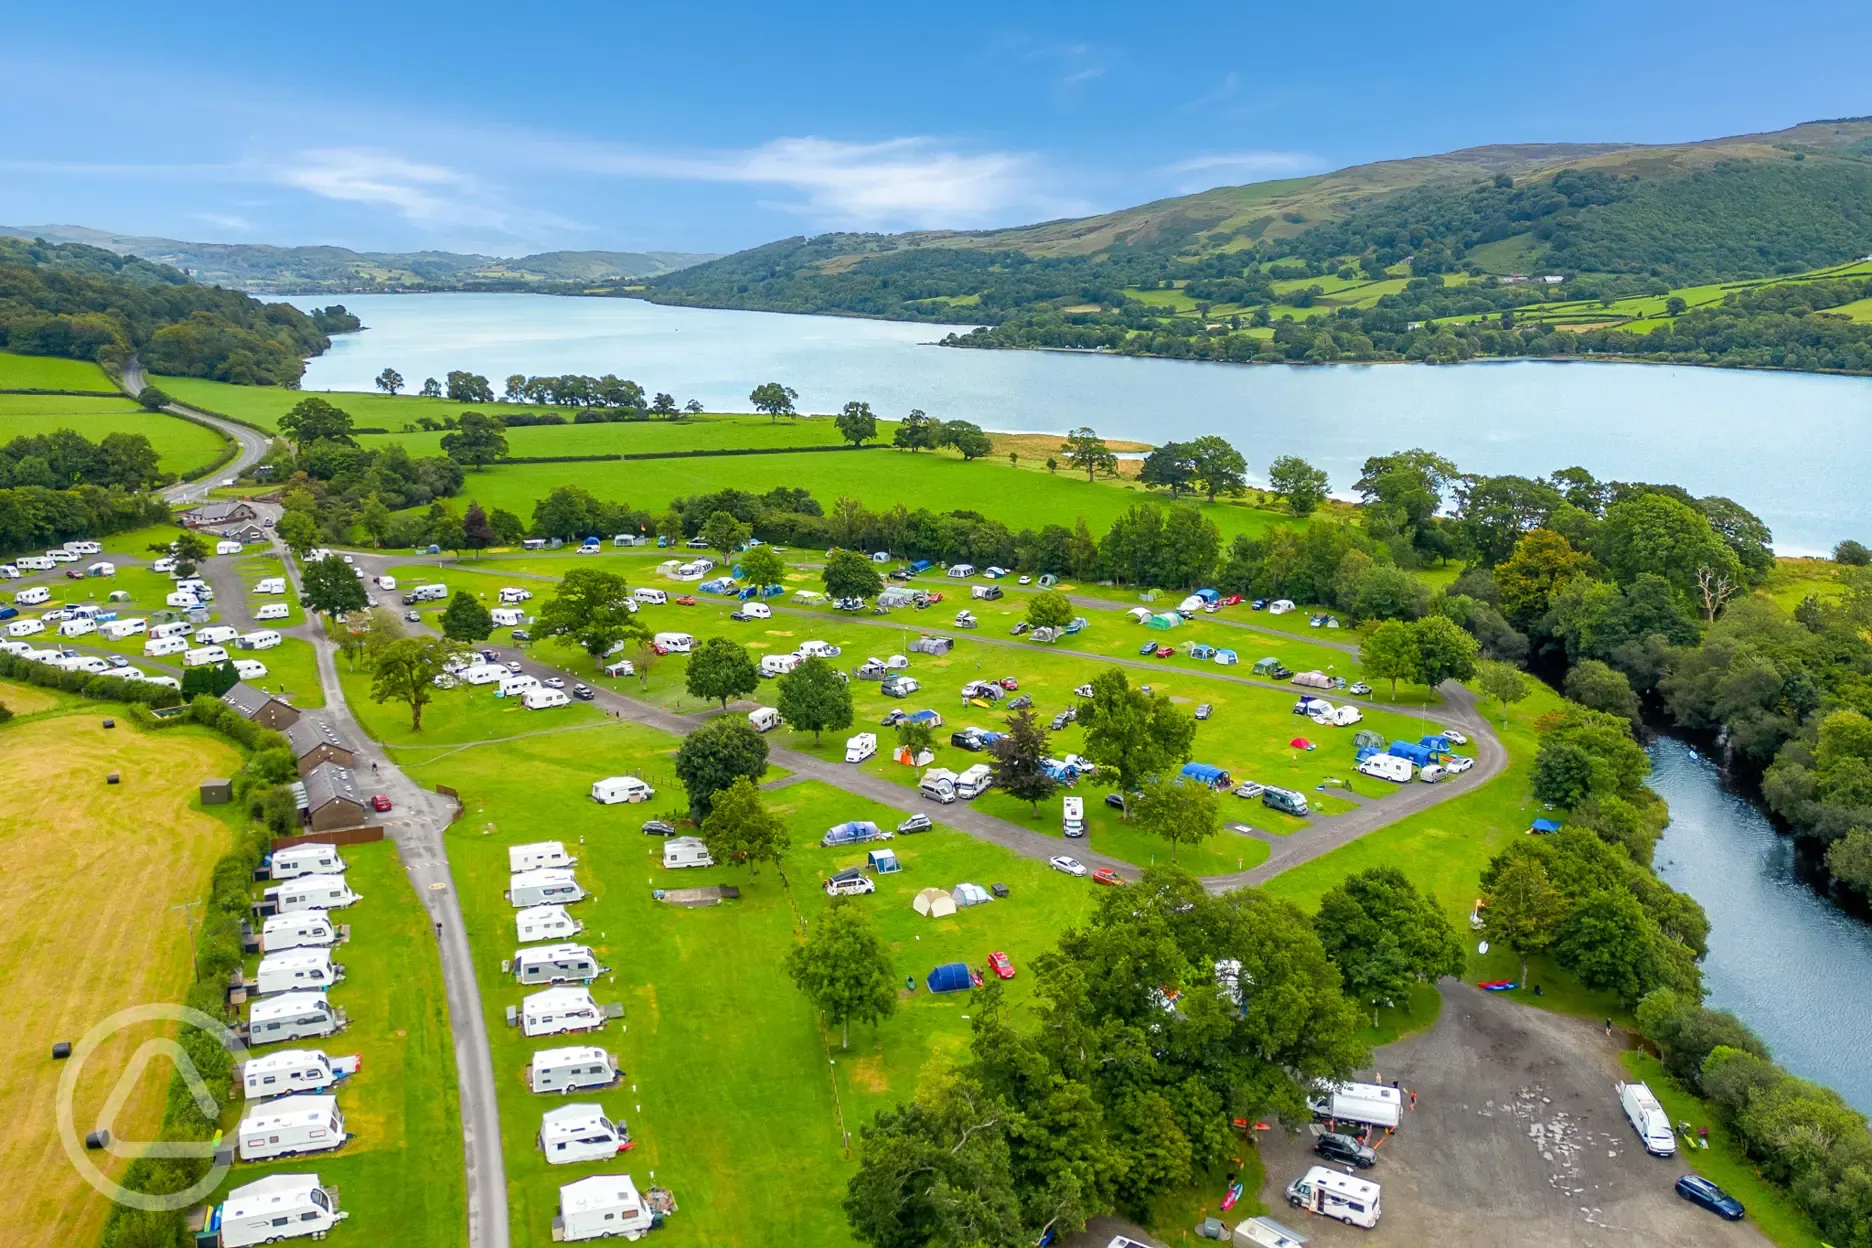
[64, 458]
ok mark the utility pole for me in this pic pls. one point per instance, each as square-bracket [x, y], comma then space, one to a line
[189, 918]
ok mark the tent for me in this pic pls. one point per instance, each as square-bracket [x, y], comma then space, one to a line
[1301, 743]
[1206, 774]
[1048, 581]
[1436, 744]
[922, 758]
[1226, 658]
[951, 977]
[934, 903]
[808, 597]
[1545, 826]
[1195, 602]
[883, 861]
[1139, 615]
[1366, 737]
[969, 895]
[1418, 755]
[1199, 651]
[1313, 680]
[1267, 666]
[1164, 620]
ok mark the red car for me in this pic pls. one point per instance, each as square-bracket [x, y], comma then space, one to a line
[1009, 683]
[687, 600]
[935, 595]
[1164, 652]
[1001, 965]
[380, 803]
[1233, 600]
[1105, 875]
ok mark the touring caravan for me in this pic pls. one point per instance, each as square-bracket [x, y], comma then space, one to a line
[507, 617]
[259, 639]
[292, 1016]
[312, 892]
[280, 1206]
[571, 1069]
[271, 585]
[1334, 1195]
[181, 599]
[159, 647]
[532, 857]
[860, 747]
[546, 886]
[227, 546]
[204, 656]
[1647, 1118]
[559, 1010]
[32, 596]
[545, 923]
[302, 929]
[575, 1133]
[685, 851]
[672, 643]
[482, 673]
[601, 1207]
[650, 597]
[306, 1123]
[556, 964]
[171, 628]
[216, 635]
[514, 684]
[778, 664]
[614, 789]
[310, 859]
[1374, 1104]
[545, 699]
[77, 628]
[763, 719]
[273, 611]
[508, 596]
[118, 630]
[24, 628]
[297, 970]
[292, 1070]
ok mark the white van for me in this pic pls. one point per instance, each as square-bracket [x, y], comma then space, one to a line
[32, 596]
[273, 611]
[515, 684]
[778, 664]
[117, 630]
[1431, 774]
[259, 639]
[271, 585]
[171, 628]
[506, 617]
[615, 789]
[975, 781]
[1072, 816]
[544, 699]
[1387, 767]
[78, 627]
[648, 596]
[860, 747]
[1647, 1118]
[157, 647]
[938, 785]
[763, 719]
[216, 635]
[1374, 1104]
[685, 851]
[202, 656]
[1334, 1195]
[672, 643]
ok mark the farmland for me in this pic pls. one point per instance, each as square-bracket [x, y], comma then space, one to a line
[44, 372]
[181, 446]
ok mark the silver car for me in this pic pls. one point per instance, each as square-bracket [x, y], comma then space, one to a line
[1071, 866]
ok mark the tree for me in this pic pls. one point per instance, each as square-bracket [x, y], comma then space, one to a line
[968, 439]
[332, 587]
[1178, 812]
[431, 388]
[1850, 859]
[721, 669]
[390, 381]
[591, 609]
[693, 407]
[663, 405]
[849, 574]
[1384, 935]
[1049, 609]
[1218, 467]
[740, 828]
[188, 550]
[1169, 467]
[1504, 682]
[812, 696]
[1390, 653]
[314, 420]
[1300, 483]
[477, 530]
[477, 441]
[465, 619]
[405, 671]
[937, 1169]
[845, 969]
[509, 529]
[774, 399]
[1135, 734]
[1523, 908]
[915, 735]
[1852, 553]
[1444, 651]
[761, 566]
[725, 534]
[466, 387]
[1084, 449]
[713, 756]
[1603, 688]
[915, 432]
[1658, 533]
[1542, 562]
[1019, 755]
[152, 398]
[1605, 939]
[855, 423]
[299, 531]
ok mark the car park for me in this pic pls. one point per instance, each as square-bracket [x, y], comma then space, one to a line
[1071, 866]
[1701, 1192]
[656, 827]
[1001, 965]
[1345, 1150]
[1105, 875]
[1204, 710]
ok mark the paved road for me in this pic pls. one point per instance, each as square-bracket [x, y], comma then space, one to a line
[253, 444]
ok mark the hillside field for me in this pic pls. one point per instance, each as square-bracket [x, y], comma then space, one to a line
[181, 445]
[46, 372]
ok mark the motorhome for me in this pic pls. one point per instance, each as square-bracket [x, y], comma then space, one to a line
[601, 1207]
[576, 1133]
[763, 719]
[259, 639]
[271, 585]
[1334, 1195]
[299, 930]
[685, 851]
[280, 1206]
[312, 892]
[537, 854]
[974, 781]
[291, 1070]
[1374, 1104]
[273, 611]
[615, 789]
[32, 596]
[312, 858]
[546, 886]
[860, 747]
[157, 647]
[545, 923]
[571, 1069]
[1072, 816]
[558, 1010]
[306, 1123]
[292, 1016]
[545, 699]
[1647, 1118]
[1387, 767]
[556, 964]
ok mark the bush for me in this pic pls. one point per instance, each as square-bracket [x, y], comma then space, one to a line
[1852, 554]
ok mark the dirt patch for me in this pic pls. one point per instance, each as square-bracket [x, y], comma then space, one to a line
[867, 1074]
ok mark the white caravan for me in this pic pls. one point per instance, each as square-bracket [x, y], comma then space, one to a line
[545, 699]
[778, 664]
[685, 851]
[546, 886]
[309, 859]
[160, 647]
[575, 1133]
[559, 1010]
[292, 1070]
[1334, 1195]
[297, 970]
[482, 673]
[280, 1206]
[259, 639]
[227, 546]
[77, 628]
[614, 789]
[271, 585]
[571, 1069]
[306, 1123]
[646, 595]
[302, 929]
[273, 611]
[292, 1016]
[601, 1207]
[117, 630]
[516, 683]
[545, 923]
[204, 656]
[538, 854]
[24, 628]
[556, 964]
[506, 617]
[312, 892]
[216, 635]
[32, 596]
[171, 628]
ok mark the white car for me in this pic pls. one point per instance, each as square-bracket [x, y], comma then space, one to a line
[553, 682]
[1071, 866]
[1026, 580]
[1456, 738]
[1458, 764]
[513, 665]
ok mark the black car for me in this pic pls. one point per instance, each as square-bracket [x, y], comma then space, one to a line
[898, 574]
[892, 718]
[584, 693]
[1115, 800]
[1021, 703]
[967, 739]
[1700, 1191]
[656, 827]
[1345, 1150]
[1203, 710]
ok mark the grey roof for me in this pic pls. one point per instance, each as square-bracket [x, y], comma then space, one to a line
[213, 513]
[327, 783]
[308, 734]
[246, 699]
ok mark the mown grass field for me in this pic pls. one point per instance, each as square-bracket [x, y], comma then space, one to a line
[144, 847]
[180, 445]
[45, 372]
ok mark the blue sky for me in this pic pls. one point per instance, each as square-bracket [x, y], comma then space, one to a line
[510, 128]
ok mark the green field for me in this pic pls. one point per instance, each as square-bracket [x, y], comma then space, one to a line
[45, 372]
[181, 445]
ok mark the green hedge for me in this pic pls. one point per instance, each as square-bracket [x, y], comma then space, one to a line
[102, 687]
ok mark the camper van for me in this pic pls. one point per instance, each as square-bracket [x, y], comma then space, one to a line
[516, 683]
[974, 782]
[1334, 1195]
[306, 1123]
[545, 923]
[538, 854]
[571, 1069]
[546, 886]
[938, 785]
[600, 1207]
[292, 1016]
[273, 611]
[559, 1010]
[271, 585]
[259, 639]
[227, 546]
[685, 851]
[1285, 800]
[672, 643]
[614, 789]
[1374, 1104]
[296, 970]
[556, 964]
[860, 747]
[280, 1206]
[1647, 1118]
[575, 1133]
[386, 581]
[301, 929]
[289, 1071]
[309, 859]
[1072, 816]
[650, 597]
[157, 647]
[117, 630]
[772, 665]
[204, 656]
[1387, 767]
[312, 892]
[763, 719]
[545, 699]
[215, 635]
[32, 596]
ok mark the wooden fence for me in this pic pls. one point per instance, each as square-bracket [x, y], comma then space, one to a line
[337, 836]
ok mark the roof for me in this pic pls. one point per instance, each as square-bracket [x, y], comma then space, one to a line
[570, 1053]
[214, 513]
[600, 1191]
[285, 1059]
[307, 1107]
[288, 1004]
[276, 1191]
[570, 1120]
[293, 918]
[1546, 825]
[560, 999]
[308, 734]
[552, 952]
[327, 783]
[312, 956]
[540, 876]
[246, 699]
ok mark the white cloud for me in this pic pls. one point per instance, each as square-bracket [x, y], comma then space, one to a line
[1226, 168]
[424, 193]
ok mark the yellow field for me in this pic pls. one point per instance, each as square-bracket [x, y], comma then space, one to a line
[86, 929]
[25, 699]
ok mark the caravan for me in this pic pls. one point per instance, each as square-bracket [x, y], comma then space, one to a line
[672, 643]
[227, 546]
[772, 665]
[559, 1010]
[507, 617]
[80, 627]
[545, 923]
[297, 970]
[32, 596]
[546, 886]
[292, 1016]
[647, 596]
[576, 1133]
[280, 1206]
[159, 647]
[271, 585]
[1386, 767]
[513, 684]
[215, 635]
[289, 1071]
[119, 630]
[1373, 1104]
[204, 656]
[685, 851]
[571, 1069]
[309, 859]
[538, 854]
[306, 1123]
[171, 628]
[259, 639]
[614, 789]
[1334, 1195]
[545, 699]
[24, 628]
[508, 596]
[601, 1207]
[482, 673]
[556, 964]
[312, 892]
[299, 930]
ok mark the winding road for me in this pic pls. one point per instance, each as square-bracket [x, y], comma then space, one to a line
[252, 443]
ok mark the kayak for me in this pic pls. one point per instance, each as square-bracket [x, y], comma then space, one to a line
[1234, 1194]
[1499, 985]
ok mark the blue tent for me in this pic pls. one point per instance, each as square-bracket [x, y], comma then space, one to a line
[852, 833]
[921, 565]
[1365, 752]
[1544, 826]
[1436, 744]
[1200, 651]
[950, 977]
[1208, 595]
[1418, 755]
[1226, 658]
[883, 861]
[1205, 773]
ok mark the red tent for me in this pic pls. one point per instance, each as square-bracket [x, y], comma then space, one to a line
[1301, 743]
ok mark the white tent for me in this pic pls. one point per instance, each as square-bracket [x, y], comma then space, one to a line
[969, 894]
[934, 903]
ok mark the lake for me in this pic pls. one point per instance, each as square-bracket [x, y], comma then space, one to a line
[1783, 959]
[1789, 446]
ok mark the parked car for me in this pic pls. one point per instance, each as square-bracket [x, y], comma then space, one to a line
[513, 665]
[1083, 691]
[1249, 789]
[656, 827]
[1259, 604]
[1344, 1150]
[1458, 763]
[686, 600]
[1020, 626]
[1233, 600]
[969, 739]
[740, 616]
[117, 660]
[554, 682]
[521, 634]
[1026, 580]
[1358, 689]
[1164, 652]
[380, 803]
[1700, 1191]
[584, 693]
[1021, 703]
[1115, 800]
[412, 617]
[915, 823]
[1456, 738]
[1009, 683]
[1001, 965]
[892, 718]
[1204, 710]
[1071, 866]
[1105, 875]
[1147, 649]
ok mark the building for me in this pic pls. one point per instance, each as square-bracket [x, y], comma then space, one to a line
[314, 742]
[332, 798]
[219, 514]
[261, 707]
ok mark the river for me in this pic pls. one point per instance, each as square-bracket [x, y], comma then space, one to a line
[1789, 446]
[1782, 958]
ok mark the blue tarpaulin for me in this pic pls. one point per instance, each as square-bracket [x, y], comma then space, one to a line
[1545, 826]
